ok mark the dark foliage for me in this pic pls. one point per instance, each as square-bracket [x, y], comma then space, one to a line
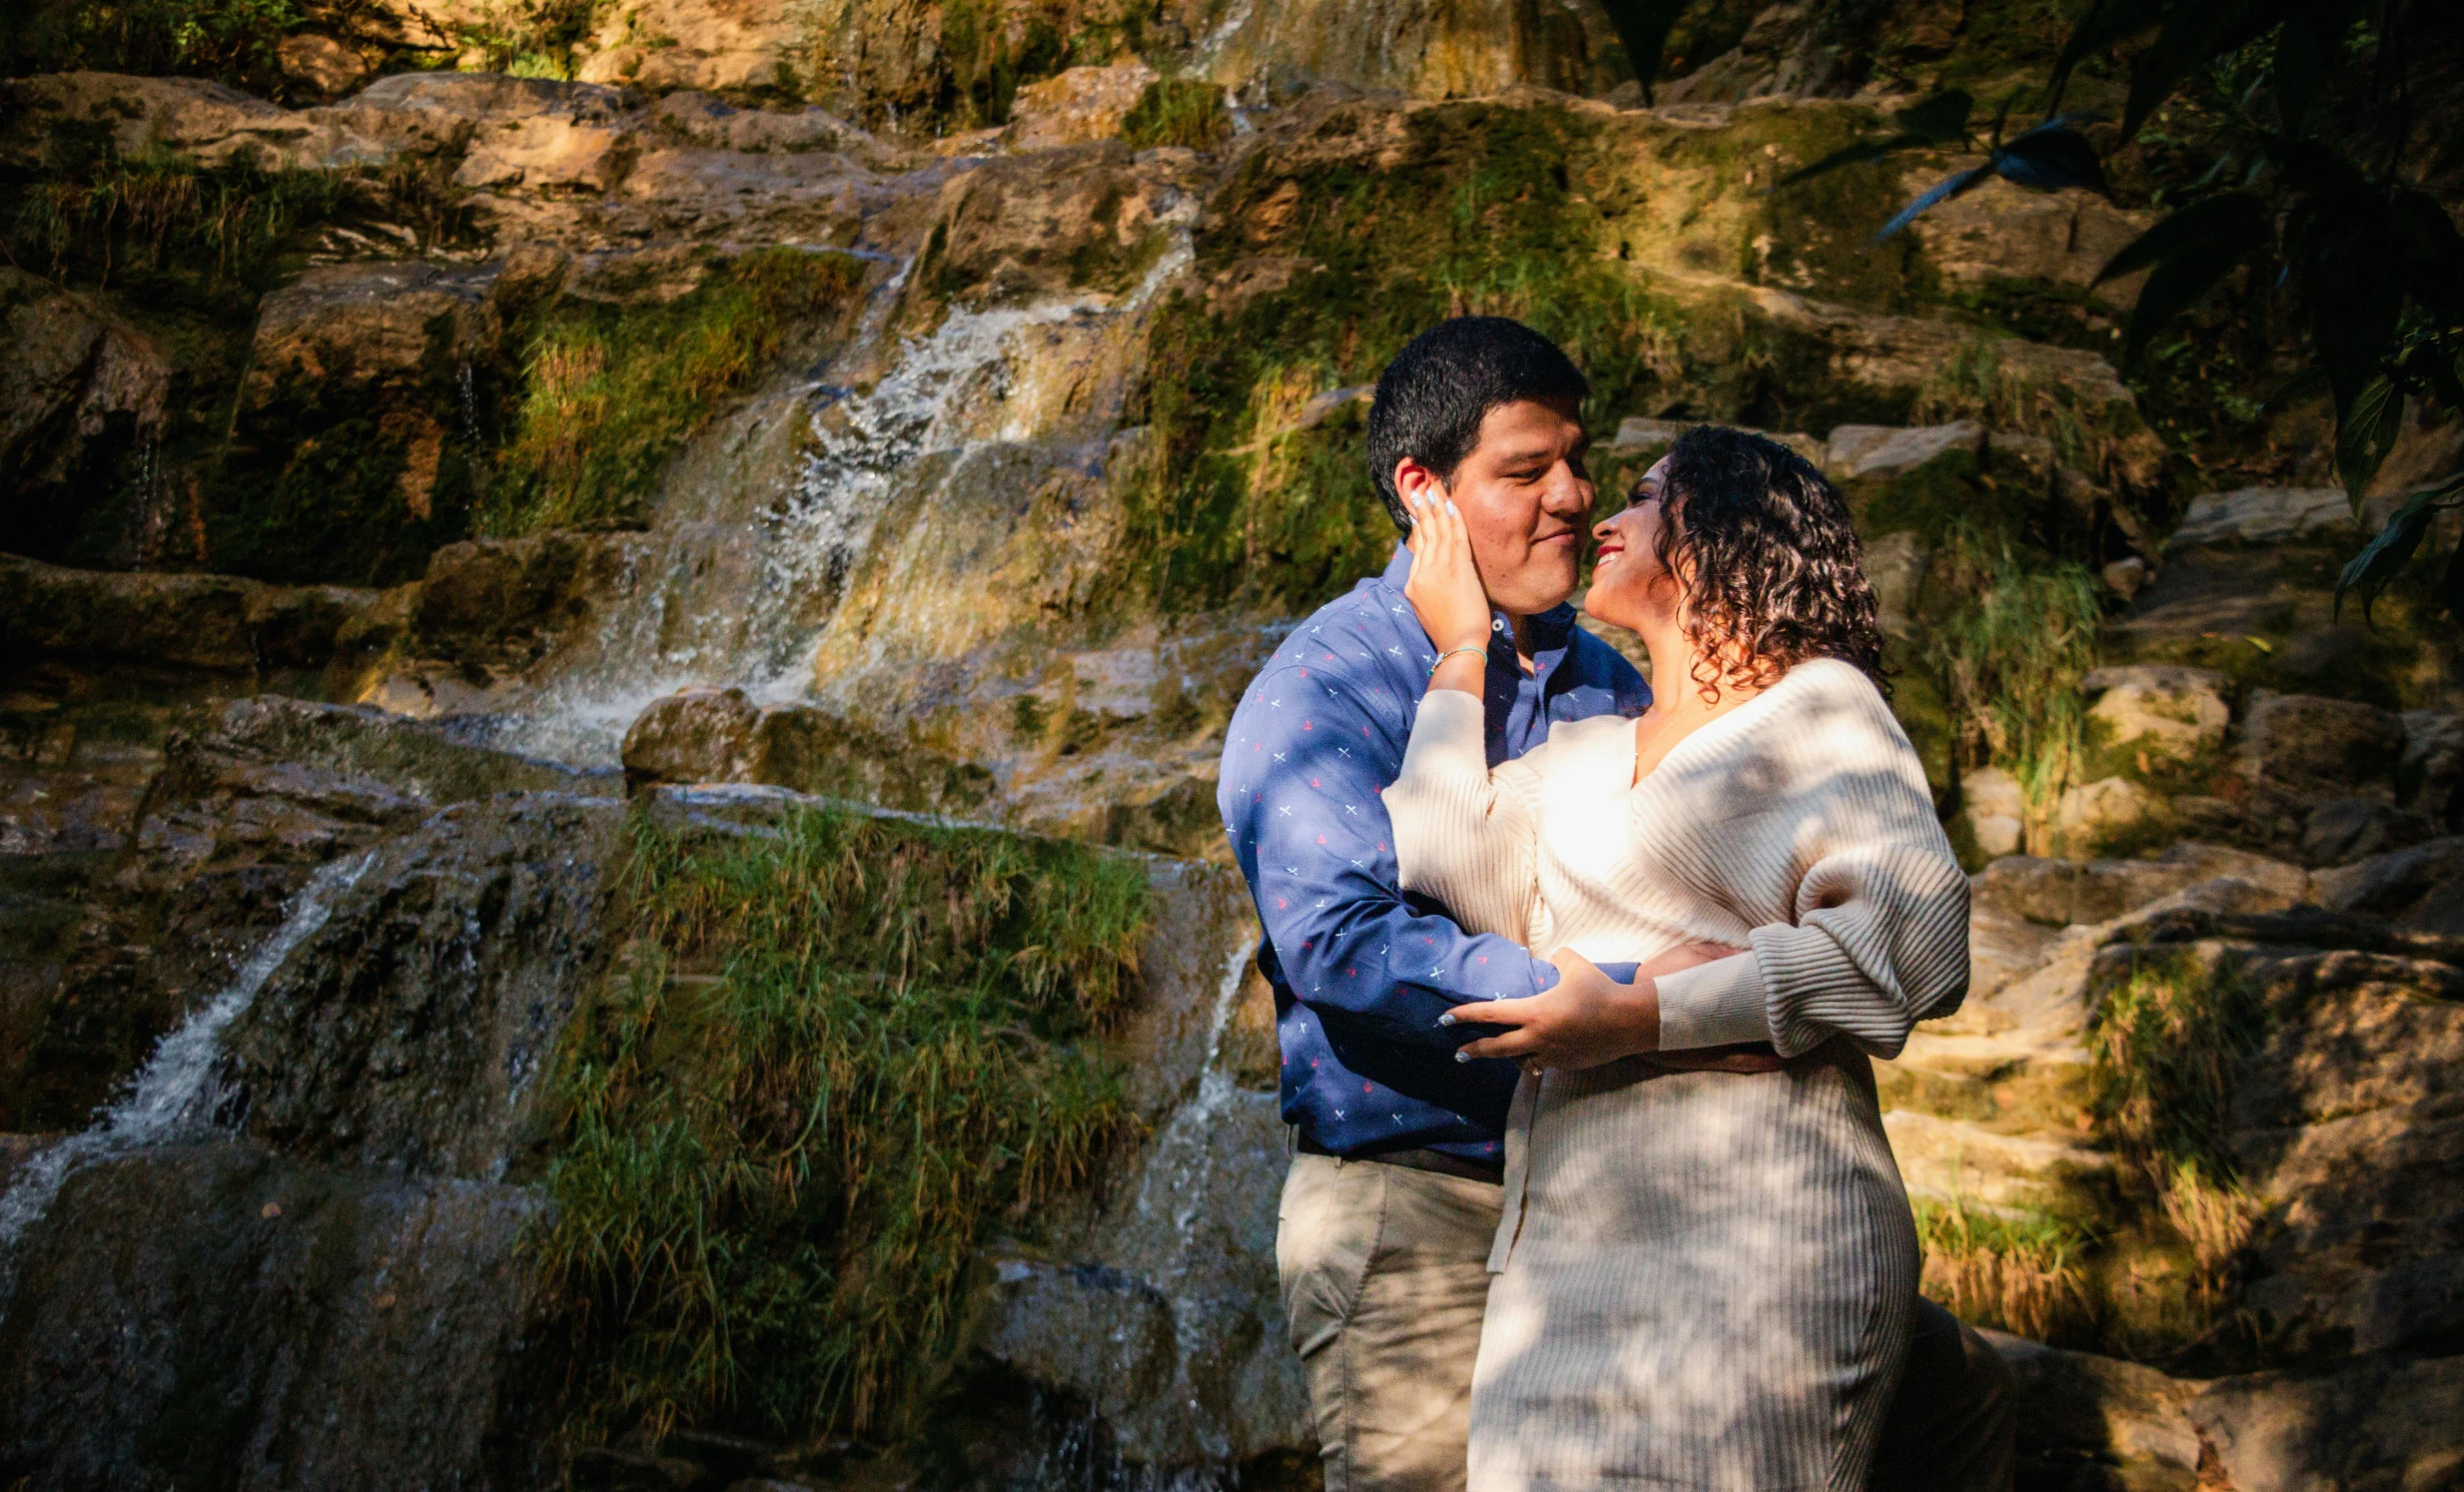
[2374, 260]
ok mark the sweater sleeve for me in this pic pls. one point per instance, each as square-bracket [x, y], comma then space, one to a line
[1463, 834]
[1879, 938]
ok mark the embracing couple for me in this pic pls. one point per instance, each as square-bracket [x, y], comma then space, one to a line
[1577, 979]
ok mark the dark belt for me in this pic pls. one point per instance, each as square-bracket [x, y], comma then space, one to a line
[1438, 1161]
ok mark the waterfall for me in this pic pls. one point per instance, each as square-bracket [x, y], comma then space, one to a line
[1184, 1161]
[163, 1098]
[736, 585]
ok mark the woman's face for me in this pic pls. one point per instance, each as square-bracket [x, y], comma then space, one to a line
[1629, 585]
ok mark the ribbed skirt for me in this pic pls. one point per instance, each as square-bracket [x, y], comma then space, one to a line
[1711, 1285]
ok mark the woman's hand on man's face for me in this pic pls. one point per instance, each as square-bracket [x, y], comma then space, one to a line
[1445, 588]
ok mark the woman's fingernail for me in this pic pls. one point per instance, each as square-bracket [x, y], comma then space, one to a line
[1450, 507]
[1460, 1056]
[1446, 1020]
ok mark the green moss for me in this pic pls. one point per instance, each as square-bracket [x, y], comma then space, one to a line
[840, 1056]
[1954, 491]
[1813, 235]
[333, 506]
[1176, 111]
[1924, 713]
[609, 392]
[1476, 216]
[1527, 212]
[2094, 433]
[1102, 261]
[1027, 718]
[2167, 1045]
[987, 62]
[2399, 658]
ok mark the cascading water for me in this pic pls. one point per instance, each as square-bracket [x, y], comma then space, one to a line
[736, 585]
[169, 1093]
[1184, 1162]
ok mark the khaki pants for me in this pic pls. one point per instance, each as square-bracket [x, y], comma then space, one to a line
[1384, 1275]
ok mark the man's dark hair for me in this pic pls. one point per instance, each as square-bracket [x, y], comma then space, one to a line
[1433, 395]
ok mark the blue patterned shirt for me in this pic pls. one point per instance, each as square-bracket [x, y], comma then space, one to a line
[1361, 971]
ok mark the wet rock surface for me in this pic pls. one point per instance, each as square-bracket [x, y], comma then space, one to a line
[219, 1314]
[418, 1034]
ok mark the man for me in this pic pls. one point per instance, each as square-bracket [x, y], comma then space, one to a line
[1392, 1204]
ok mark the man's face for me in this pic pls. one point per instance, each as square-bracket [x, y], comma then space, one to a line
[1525, 496]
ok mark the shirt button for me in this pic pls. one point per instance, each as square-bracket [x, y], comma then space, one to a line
[1497, 624]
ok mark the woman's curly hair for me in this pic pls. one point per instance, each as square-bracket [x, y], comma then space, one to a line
[1770, 560]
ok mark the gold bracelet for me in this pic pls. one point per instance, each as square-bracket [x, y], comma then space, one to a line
[1451, 652]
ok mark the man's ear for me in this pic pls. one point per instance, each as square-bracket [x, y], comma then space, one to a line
[1412, 477]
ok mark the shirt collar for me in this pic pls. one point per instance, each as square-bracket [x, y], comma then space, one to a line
[1551, 631]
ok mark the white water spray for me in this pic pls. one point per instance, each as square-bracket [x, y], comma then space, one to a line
[1182, 1162]
[742, 595]
[163, 1100]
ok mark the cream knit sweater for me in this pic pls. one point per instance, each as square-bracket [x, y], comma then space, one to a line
[1798, 824]
[1703, 1280]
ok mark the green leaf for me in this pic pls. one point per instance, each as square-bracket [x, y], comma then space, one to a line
[2342, 247]
[2308, 166]
[2429, 254]
[2106, 22]
[2303, 60]
[2449, 593]
[2370, 572]
[2365, 433]
[2049, 158]
[2173, 288]
[1956, 186]
[2197, 32]
[2233, 218]
[2191, 251]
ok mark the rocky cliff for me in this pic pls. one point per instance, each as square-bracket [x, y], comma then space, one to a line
[527, 530]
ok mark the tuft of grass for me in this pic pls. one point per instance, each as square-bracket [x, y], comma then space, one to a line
[156, 209]
[2019, 1273]
[839, 1054]
[1178, 111]
[2012, 660]
[527, 38]
[609, 393]
[2166, 1046]
[2216, 1219]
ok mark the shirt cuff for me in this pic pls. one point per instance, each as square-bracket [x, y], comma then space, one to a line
[1714, 1005]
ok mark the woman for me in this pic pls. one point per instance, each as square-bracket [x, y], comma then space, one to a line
[1704, 1277]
